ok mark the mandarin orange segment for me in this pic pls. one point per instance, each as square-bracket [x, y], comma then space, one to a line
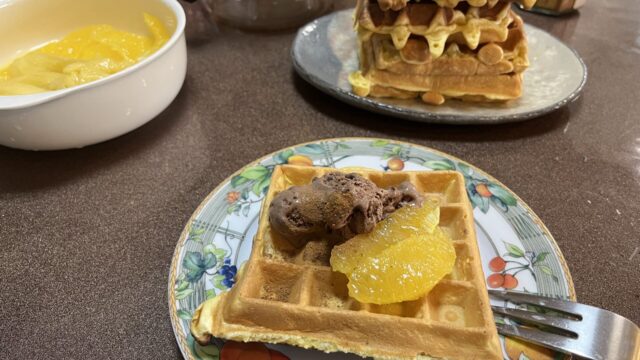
[402, 259]
[404, 271]
[403, 223]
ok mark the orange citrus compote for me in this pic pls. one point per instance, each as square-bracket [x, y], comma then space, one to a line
[402, 259]
[83, 56]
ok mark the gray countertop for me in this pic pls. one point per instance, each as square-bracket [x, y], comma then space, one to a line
[87, 236]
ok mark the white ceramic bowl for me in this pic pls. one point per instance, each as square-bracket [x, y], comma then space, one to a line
[97, 111]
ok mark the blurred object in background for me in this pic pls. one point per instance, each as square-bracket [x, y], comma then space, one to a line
[200, 25]
[566, 28]
[556, 7]
[269, 14]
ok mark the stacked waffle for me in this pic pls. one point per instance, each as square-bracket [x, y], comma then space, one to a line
[436, 49]
[292, 296]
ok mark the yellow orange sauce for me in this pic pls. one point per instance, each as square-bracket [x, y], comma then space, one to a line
[83, 56]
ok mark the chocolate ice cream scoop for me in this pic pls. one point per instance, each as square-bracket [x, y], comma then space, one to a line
[336, 206]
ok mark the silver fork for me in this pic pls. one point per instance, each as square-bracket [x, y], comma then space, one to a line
[572, 328]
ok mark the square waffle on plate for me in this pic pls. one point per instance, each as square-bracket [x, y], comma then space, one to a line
[288, 295]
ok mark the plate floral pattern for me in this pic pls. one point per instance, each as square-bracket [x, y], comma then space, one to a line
[517, 250]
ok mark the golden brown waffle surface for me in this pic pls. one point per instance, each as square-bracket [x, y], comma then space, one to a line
[455, 74]
[399, 4]
[286, 295]
[471, 50]
[436, 24]
[496, 58]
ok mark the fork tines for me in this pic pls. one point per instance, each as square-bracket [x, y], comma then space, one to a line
[569, 327]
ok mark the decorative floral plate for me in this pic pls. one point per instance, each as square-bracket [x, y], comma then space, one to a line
[325, 53]
[516, 248]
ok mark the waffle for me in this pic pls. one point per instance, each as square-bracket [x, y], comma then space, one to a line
[400, 4]
[469, 88]
[509, 56]
[455, 75]
[473, 25]
[284, 295]
[474, 50]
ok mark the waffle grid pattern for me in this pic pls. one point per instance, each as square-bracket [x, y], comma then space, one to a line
[299, 286]
[474, 25]
[399, 4]
[475, 53]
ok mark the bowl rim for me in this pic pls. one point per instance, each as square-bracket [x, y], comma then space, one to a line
[15, 102]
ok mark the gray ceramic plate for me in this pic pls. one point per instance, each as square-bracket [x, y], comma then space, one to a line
[324, 53]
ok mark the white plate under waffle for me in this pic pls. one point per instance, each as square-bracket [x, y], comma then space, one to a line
[218, 237]
[325, 53]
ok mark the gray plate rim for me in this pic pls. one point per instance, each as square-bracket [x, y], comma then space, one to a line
[372, 104]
